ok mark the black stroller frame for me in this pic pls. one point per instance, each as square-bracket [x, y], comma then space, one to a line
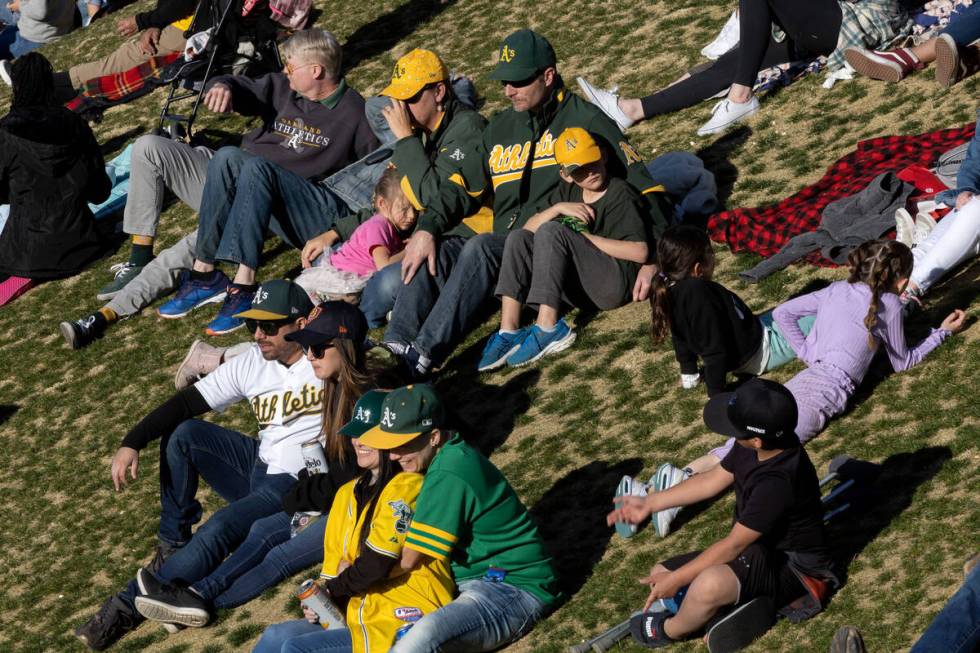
[179, 126]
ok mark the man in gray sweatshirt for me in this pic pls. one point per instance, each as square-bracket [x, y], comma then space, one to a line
[32, 23]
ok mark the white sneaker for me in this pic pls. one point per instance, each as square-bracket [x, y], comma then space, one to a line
[607, 101]
[5, 72]
[666, 477]
[726, 40]
[924, 224]
[904, 227]
[727, 113]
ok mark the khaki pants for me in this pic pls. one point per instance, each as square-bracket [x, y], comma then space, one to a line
[126, 56]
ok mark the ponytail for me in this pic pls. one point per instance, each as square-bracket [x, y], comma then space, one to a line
[678, 251]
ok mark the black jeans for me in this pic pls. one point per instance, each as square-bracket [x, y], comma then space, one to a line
[811, 26]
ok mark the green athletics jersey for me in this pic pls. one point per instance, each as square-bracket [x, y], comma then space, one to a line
[468, 513]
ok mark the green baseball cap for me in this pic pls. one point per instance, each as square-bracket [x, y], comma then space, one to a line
[278, 299]
[367, 414]
[523, 54]
[406, 413]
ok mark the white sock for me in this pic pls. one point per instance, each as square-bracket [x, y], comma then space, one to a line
[508, 332]
[549, 330]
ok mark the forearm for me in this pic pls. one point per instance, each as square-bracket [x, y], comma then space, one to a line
[368, 570]
[620, 249]
[695, 489]
[722, 551]
[164, 419]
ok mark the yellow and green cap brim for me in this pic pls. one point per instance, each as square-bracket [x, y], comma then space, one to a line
[378, 438]
[259, 314]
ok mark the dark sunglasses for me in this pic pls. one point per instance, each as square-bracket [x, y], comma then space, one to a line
[418, 96]
[269, 327]
[521, 83]
[318, 350]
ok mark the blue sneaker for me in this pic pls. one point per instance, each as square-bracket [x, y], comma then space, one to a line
[236, 301]
[191, 294]
[540, 343]
[628, 486]
[499, 347]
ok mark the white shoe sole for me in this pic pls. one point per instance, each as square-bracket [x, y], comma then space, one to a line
[500, 362]
[157, 611]
[552, 348]
[68, 333]
[220, 297]
[5, 73]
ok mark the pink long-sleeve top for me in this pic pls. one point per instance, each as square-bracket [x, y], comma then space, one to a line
[839, 336]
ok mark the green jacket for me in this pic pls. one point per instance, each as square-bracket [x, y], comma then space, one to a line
[507, 142]
[438, 170]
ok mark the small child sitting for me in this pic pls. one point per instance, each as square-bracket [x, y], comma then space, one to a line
[343, 272]
[585, 249]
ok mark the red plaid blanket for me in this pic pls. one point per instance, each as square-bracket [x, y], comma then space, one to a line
[765, 229]
[108, 90]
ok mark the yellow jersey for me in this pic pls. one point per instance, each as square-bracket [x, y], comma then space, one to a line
[375, 618]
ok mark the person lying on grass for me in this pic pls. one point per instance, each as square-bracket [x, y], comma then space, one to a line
[777, 547]
[585, 249]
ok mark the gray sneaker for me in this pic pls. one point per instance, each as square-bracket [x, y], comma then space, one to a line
[124, 273]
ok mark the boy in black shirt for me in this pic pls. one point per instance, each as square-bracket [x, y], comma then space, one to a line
[777, 547]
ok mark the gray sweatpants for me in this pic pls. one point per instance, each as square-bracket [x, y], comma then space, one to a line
[159, 163]
[556, 265]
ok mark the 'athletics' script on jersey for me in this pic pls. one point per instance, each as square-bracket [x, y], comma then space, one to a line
[513, 158]
[284, 407]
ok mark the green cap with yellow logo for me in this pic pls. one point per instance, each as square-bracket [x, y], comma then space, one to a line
[406, 413]
[367, 414]
[522, 55]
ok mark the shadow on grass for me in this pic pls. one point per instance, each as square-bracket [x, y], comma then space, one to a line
[7, 411]
[386, 31]
[117, 142]
[883, 499]
[717, 158]
[572, 518]
[485, 414]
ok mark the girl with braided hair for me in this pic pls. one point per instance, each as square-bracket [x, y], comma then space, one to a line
[853, 318]
[51, 168]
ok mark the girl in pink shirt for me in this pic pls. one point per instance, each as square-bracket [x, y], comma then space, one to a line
[343, 273]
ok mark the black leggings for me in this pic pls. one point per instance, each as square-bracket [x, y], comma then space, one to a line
[811, 26]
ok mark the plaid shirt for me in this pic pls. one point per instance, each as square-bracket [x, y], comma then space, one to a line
[765, 229]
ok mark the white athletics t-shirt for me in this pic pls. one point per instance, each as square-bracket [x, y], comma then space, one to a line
[286, 401]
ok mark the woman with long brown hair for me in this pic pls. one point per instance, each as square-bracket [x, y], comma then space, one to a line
[333, 342]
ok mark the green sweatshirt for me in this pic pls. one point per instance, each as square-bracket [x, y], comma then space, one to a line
[507, 142]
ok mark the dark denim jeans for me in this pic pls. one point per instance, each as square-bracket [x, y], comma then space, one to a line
[246, 196]
[300, 636]
[433, 312]
[228, 461]
[12, 44]
[965, 26]
[378, 298]
[956, 629]
[266, 557]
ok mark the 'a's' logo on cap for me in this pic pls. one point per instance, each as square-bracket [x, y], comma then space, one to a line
[363, 415]
[388, 417]
[507, 53]
[398, 72]
[571, 143]
[260, 296]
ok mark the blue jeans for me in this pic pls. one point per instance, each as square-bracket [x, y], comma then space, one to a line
[12, 44]
[301, 636]
[228, 461]
[485, 616]
[965, 28]
[266, 557]
[433, 312]
[245, 196]
[968, 176]
[378, 298]
[956, 629]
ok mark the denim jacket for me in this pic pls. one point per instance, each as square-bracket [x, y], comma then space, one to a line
[968, 176]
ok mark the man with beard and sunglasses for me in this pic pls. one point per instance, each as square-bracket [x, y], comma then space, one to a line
[432, 312]
[252, 474]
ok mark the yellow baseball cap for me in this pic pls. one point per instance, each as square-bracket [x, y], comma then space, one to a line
[575, 147]
[415, 71]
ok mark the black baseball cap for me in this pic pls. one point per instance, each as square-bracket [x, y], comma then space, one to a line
[329, 321]
[757, 409]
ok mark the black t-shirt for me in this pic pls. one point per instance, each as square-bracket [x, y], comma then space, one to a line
[780, 498]
[618, 215]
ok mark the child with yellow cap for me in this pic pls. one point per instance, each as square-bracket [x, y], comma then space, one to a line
[583, 249]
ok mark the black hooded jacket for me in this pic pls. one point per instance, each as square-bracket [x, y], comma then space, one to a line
[51, 167]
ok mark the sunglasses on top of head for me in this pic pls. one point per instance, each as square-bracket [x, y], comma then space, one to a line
[318, 350]
[269, 327]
